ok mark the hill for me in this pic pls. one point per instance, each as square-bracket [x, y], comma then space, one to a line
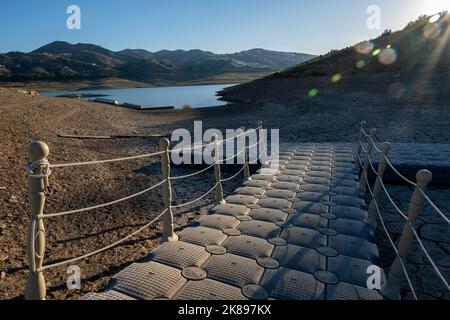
[64, 61]
[408, 65]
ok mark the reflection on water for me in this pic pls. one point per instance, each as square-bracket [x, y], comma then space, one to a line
[195, 96]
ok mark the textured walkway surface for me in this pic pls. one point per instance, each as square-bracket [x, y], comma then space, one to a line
[293, 233]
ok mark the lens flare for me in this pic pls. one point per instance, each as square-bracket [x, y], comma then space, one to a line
[360, 64]
[415, 42]
[388, 56]
[435, 18]
[431, 31]
[336, 78]
[396, 90]
[313, 92]
[376, 52]
[365, 47]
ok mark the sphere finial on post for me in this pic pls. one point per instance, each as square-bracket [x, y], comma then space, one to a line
[38, 151]
[164, 144]
[424, 177]
[386, 147]
[373, 132]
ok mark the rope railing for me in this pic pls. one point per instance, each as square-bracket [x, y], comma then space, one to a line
[137, 194]
[244, 133]
[433, 205]
[416, 236]
[143, 156]
[232, 157]
[201, 146]
[187, 204]
[427, 255]
[386, 192]
[391, 289]
[260, 157]
[254, 145]
[234, 176]
[383, 186]
[39, 171]
[77, 164]
[115, 244]
[391, 241]
[365, 133]
[191, 148]
[413, 184]
[192, 174]
[403, 215]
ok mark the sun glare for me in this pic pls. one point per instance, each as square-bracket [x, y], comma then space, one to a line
[430, 6]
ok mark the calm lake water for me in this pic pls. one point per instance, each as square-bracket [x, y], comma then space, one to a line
[196, 96]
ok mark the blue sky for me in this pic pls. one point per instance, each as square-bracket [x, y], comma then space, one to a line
[311, 26]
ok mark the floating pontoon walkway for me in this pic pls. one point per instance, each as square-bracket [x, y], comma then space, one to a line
[293, 233]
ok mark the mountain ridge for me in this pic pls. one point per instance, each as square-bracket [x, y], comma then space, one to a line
[64, 61]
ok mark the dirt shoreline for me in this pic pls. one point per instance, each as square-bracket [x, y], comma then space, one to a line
[104, 84]
[26, 118]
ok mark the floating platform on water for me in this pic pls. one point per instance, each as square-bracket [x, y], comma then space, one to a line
[81, 95]
[130, 105]
[159, 108]
[140, 107]
[106, 101]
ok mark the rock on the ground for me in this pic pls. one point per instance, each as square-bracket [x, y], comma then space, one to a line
[436, 232]
[431, 283]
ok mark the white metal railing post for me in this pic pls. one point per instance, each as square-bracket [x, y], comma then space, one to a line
[262, 144]
[358, 146]
[168, 232]
[37, 184]
[373, 207]
[365, 175]
[391, 289]
[217, 170]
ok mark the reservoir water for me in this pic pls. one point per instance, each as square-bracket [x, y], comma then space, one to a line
[200, 96]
